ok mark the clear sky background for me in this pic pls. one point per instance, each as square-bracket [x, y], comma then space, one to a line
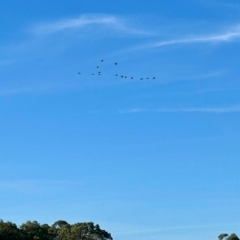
[151, 159]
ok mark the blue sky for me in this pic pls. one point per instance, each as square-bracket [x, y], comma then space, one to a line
[144, 159]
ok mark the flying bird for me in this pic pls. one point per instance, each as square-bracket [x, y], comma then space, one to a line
[116, 74]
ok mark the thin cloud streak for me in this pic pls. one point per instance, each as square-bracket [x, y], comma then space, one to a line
[228, 36]
[111, 21]
[134, 230]
[231, 109]
[218, 90]
[27, 90]
[14, 92]
[37, 186]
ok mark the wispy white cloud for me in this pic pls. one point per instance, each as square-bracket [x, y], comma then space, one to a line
[41, 89]
[14, 91]
[232, 34]
[218, 90]
[110, 21]
[7, 62]
[208, 75]
[36, 186]
[122, 230]
[229, 109]
[26, 90]
[227, 37]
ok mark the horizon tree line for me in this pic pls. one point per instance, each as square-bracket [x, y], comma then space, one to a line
[60, 230]
[225, 236]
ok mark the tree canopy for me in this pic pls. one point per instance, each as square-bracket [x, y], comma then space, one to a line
[60, 230]
[225, 236]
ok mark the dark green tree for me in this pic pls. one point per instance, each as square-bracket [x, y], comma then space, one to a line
[35, 231]
[9, 231]
[88, 231]
[222, 236]
[233, 236]
[62, 230]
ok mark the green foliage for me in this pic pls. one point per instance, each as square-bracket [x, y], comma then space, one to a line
[222, 236]
[225, 236]
[36, 231]
[233, 236]
[81, 231]
[60, 230]
[9, 231]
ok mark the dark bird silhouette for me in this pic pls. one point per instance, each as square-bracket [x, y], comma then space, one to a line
[117, 75]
